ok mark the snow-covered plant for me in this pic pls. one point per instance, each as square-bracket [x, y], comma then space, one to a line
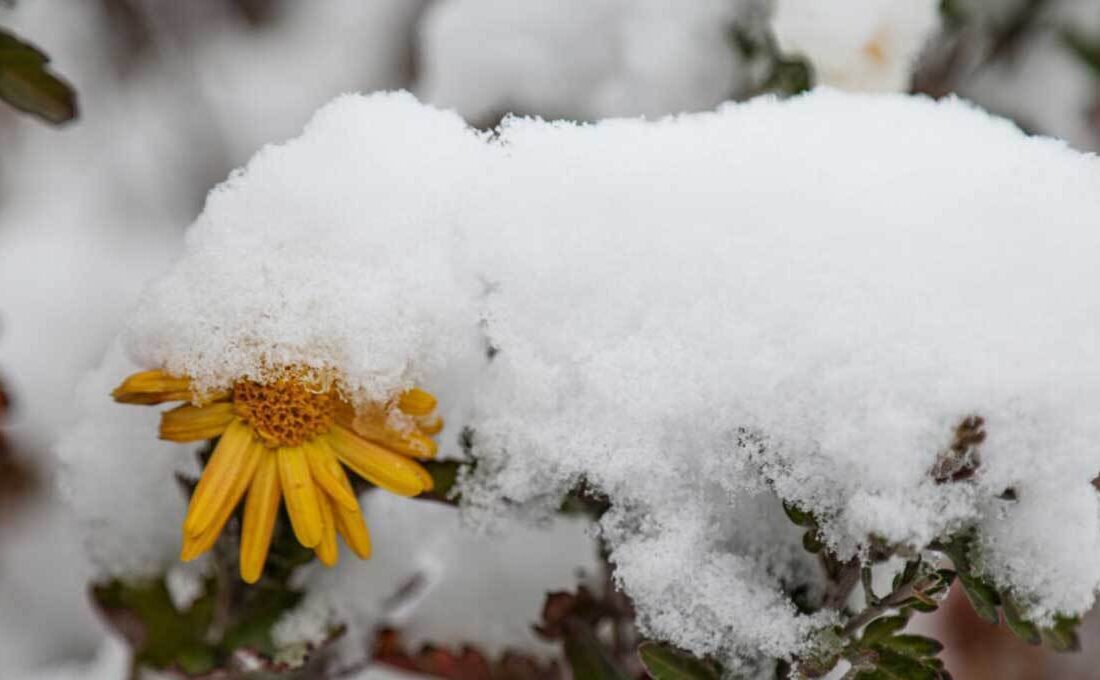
[806, 363]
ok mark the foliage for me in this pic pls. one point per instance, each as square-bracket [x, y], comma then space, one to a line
[28, 84]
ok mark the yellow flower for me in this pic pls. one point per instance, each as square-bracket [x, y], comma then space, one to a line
[289, 440]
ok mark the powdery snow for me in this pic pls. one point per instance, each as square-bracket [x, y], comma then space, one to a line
[799, 299]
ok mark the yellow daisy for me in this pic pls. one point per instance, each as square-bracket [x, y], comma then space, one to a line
[289, 440]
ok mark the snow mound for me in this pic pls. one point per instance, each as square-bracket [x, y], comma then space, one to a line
[792, 300]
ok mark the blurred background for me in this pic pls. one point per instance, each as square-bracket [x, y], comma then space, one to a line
[172, 96]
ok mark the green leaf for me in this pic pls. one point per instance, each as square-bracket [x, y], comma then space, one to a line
[982, 597]
[162, 636]
[1025, 630]
[913, 645]
[1062, 636]
[444, 476]
[874, 674]
[882, 628]
[665, 663]
[799, 517]
[27, 84]
[811, 542]
[903, 667]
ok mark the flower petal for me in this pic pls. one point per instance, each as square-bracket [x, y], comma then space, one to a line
[417, 402]
[327, 550]
[429, 425]
[260, 511]
[379, 466]
[412, 443]
[302, 503]
[329, 474]
[351, 526]
[196, 545]
[152, 387]
[225, 478]
[195, 423]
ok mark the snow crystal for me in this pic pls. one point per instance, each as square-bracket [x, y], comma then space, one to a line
[797, 300]
[580, 58]
[869, 45]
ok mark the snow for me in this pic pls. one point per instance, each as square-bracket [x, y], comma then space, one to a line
[113, 462]
[442, 582]
[868, 45]
[582, 59]
[311, 257]
[111, 662]
[696, 316]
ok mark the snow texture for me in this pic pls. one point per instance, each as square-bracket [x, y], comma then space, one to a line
[867, 45]
[797, 299]
[580, 59]
[312, 257]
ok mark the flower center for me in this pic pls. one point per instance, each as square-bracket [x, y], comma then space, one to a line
[284, 413]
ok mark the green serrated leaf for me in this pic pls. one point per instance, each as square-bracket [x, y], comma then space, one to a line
[882, 628]
[28, 84]
[665, 663]
[1025, 630]
[916, 646]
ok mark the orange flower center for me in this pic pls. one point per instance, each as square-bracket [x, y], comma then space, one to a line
[288, 412]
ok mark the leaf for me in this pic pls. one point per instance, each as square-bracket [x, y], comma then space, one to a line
[161, 636]
[1062, 636]
[1025, 630]
[883, 627]
[983, 598]
[444, 475]
[903, 667]
[27, 84]
[665, 663]
[799, 517]
[913, 645]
